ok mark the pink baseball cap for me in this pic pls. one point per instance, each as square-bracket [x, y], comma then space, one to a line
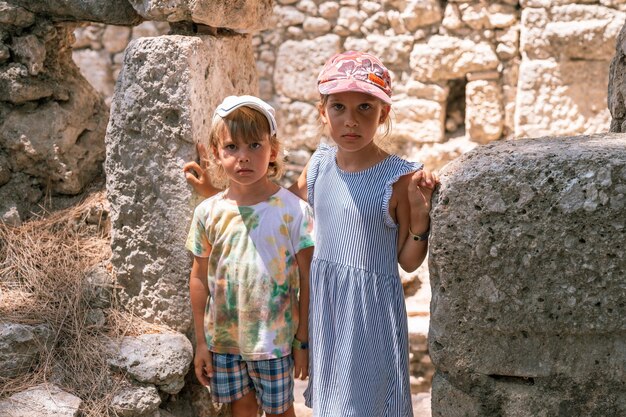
[355, 71]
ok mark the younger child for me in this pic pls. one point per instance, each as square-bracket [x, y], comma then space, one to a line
[252, 245]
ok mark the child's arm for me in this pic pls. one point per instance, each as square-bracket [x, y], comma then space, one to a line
[413, 216]
[299, 187]
[199, 293]
[301, 356]
[197, 174]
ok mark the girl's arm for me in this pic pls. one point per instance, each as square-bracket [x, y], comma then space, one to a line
[414, 193]
[197, 174]
[301, 356]
[199, 293]
[299, 187]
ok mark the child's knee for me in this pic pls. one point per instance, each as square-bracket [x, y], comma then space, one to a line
[245, 406]
[289, 413]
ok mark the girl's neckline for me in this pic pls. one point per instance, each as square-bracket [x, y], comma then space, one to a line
[361, 171]
[235, 204]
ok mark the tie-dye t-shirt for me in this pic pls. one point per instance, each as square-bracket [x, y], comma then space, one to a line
[253, 276]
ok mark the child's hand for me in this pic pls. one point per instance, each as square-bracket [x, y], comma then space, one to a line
[196, 174]
[301, 363]
[203, 365]
[421, 188]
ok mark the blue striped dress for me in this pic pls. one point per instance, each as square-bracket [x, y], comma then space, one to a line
[359, 365]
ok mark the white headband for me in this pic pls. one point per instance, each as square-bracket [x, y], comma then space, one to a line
[232, 103]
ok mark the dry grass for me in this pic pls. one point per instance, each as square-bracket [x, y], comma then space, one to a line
[42, 281]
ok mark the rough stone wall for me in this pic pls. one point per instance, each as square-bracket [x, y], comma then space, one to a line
[527, 268]
[52, 121]
[465, 72]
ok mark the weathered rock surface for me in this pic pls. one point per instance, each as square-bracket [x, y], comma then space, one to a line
[158, 359]
[527, 268]
[241, 15]
[298, 64]
[114, 12]
[52, 121]
[445, 58]
[44, 400]
[617, 85]
[136, 400]
[567, 96]
[162, 106]
[21, 346]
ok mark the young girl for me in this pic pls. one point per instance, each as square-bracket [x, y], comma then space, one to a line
[372, 213]
[252, 247]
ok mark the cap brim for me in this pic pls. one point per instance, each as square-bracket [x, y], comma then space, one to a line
[342, 86]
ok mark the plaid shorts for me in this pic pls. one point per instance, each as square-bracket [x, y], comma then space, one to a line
[271, 379]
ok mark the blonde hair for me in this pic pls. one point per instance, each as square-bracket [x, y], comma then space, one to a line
[246, 125]
[381, 140]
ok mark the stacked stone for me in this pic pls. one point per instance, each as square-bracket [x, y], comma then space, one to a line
[566, 51]
[454, 67]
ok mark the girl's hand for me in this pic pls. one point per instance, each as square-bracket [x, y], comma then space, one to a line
[197, 174]
[203, 365]
[301, 363]
[420, 191]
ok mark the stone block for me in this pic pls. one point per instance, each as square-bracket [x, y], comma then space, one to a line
[574, 31]
[527, 268]
[113, 12]
[561, 98]
[162, 105]
[298, 64]
[240, 15]
[447, 58]
[484, 113]
[418, 121]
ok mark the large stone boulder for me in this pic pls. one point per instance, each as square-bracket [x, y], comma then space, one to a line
[158, 359]
[527, 269]
[162, 106]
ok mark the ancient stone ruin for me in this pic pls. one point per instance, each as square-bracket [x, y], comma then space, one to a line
[526, 266]
[527, 273]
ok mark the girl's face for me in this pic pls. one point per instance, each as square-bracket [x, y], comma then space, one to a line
[353, 118]
[245, 163]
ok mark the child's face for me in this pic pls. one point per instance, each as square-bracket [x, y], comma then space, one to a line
[353, 118]
[244, 162]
